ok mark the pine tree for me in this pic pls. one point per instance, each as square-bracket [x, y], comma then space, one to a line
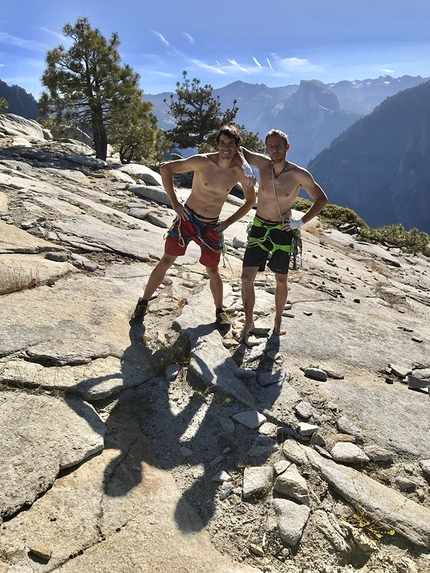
[87, 86]
[197, 114]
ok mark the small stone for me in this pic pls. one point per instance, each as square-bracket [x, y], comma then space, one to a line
[186, 452]
[425, 466]
[348, 453]
[304, 410]
[256, 549]
[251, 419]
[225, 490]
[268, 429]
[281, 466]
[315, 374]
[221, 477]
[399, 370]
[172, 371]
[378, 454]
[257, 481]
[405, 484]
[229, 342]
[41, 551]
[416, 339]
[304, 429]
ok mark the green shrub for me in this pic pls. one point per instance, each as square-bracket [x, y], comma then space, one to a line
[412, 241]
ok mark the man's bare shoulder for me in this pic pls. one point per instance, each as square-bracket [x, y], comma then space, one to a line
[299, 171]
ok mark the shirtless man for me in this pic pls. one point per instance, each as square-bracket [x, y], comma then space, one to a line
[280, 183]
[215, 174]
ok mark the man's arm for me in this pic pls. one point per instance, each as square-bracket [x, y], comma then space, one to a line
[250, 200]
[252, 157]
[178, 166]
[240, 160]
[317, 194]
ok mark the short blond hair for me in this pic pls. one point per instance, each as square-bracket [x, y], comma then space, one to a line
[278, 132]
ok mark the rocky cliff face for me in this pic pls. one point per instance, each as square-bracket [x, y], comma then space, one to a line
[167, 447]
[380, 167]
[312, 118]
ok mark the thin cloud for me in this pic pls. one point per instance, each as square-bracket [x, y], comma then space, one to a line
[161, 37]
[286, 65]
[190, 38]
[270, 65]
[257, 62]
[60, 37]
[6, 38]
[204, 66]
[241, 68]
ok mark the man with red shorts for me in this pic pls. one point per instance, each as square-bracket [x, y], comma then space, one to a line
[215, 174]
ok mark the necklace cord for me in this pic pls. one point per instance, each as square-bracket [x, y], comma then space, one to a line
[274, 177]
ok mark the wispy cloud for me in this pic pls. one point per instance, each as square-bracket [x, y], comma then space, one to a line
[238, 66]
[161, 37]
[269, 64]
[190, 38]
[204, 66]
[233, 67]
[60, 37]
[6, 38]
[287, 65]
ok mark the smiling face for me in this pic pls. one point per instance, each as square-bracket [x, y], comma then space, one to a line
[276, 147]
[226, 146]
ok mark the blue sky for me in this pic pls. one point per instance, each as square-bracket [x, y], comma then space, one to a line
[277, 43]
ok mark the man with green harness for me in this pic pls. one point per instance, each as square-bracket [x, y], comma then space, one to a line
[271, 234]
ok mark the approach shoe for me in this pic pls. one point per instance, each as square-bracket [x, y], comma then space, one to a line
[139, 312]
[223, 322]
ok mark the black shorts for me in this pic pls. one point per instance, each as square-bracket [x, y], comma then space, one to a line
[257, 255]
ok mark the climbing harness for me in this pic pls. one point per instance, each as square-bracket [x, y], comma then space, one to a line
[266, 242]
[271, 245]
[200, 226]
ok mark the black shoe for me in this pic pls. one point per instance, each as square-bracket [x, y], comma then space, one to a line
[223, 322]
[139, 312]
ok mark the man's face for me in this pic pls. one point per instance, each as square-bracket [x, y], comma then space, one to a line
[226, 146]
[276, 148]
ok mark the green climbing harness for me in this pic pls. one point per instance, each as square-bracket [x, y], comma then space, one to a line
[267, 241]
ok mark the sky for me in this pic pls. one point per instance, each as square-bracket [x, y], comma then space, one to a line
[276, 43]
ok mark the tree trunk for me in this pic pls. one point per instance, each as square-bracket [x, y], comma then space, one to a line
[99, 135]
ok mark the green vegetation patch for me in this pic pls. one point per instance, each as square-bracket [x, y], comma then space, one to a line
[412, 241]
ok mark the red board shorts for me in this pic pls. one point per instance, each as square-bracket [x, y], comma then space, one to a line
[202, 233]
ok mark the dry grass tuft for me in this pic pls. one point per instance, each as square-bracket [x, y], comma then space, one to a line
[375, 266]
[17, 278]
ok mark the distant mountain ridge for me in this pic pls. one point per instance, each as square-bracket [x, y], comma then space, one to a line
[380, 166]
[312, 113]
